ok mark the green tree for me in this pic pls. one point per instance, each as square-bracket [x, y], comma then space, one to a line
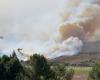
[61, 73]
[95, 73]
[10, 67]
[14, 68]
[3, 67]
[2, 72]
[41, 68]
[5, 59]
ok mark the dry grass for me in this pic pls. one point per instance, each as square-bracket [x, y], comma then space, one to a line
[81, 73]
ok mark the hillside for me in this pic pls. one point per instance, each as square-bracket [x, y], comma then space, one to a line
[82, 59]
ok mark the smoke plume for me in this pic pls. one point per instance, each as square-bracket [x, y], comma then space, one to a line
[54, 30]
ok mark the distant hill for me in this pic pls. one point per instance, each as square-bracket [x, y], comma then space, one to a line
[91, 47]
[82, 59]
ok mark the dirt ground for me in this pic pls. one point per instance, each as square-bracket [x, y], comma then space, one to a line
[80, 77]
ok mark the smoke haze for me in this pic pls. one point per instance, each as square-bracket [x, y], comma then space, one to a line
[51, 27]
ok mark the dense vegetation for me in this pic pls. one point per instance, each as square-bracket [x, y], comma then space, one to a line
[37, 68]
[95, 72]
[12, 69]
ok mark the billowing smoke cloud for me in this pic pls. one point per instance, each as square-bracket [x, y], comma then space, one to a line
[69, 47]
[49, 28]
[82, 19]
[83, 23]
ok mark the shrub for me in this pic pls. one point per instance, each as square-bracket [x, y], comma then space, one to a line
[61, 73]
[41, 68]
[11, 68]
[95, 73]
